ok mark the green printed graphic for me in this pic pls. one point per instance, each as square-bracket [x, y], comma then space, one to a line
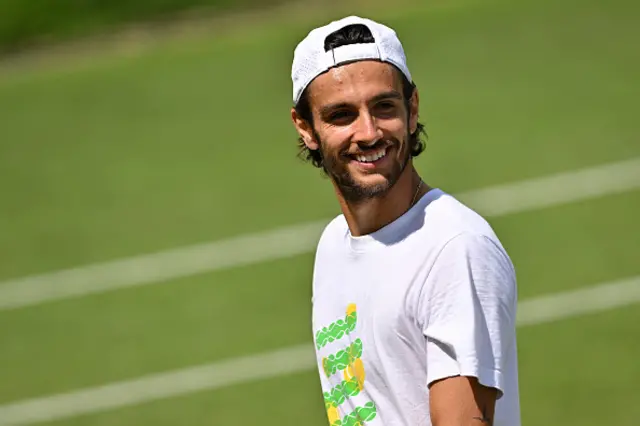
[342, 359]
[337, 329]
[347, 360]
[358, 416]
[341, 392]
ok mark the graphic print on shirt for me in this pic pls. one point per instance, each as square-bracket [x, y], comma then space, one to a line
[349, 362]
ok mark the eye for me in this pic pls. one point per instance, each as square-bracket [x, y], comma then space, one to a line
[340, 117]
[386, 109]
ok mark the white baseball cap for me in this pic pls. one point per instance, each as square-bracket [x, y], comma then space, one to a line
[310, 58]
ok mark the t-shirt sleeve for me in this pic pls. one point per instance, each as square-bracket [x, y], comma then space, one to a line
[468, 311]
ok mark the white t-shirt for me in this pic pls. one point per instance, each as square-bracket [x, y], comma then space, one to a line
[431, 295]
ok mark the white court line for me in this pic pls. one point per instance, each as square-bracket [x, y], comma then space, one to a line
[278, 363]
[281, 243]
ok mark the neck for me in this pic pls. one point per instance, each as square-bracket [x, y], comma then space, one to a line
[371, 215]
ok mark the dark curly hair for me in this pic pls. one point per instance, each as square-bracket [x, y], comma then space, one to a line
[352, 34]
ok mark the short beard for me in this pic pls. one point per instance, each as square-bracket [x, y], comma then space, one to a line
[352, 191]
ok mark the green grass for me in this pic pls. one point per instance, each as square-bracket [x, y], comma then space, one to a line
[581, 371]
[292, 399]
[23, 24]
[130, 157]
[578, 244]
[564, 367]
[131, 332]
[192, 142]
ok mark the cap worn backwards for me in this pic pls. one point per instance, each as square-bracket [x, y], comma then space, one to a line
[310, 58]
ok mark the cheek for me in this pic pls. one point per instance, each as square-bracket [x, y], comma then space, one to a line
[396, 129]
[334, 139]
[336, 134]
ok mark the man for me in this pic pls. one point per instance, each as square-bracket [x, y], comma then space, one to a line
[414, 297]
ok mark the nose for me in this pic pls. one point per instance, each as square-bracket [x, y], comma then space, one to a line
[367, 131]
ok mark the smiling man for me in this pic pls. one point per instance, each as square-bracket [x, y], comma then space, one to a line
[414, 297]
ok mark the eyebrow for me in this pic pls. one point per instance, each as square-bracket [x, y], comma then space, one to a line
[392, 94]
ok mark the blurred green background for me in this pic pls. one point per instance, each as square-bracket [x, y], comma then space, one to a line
[105, 155]
[23, 25]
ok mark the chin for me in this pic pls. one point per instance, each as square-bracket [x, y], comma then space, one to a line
[358, 185]
[374, 182]
[359, 189]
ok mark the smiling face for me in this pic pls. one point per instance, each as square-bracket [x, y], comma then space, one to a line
[361, 125]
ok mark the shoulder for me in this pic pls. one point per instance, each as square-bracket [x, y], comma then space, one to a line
[475, 250]
[336, 228]
[465, 244]
[471, 269]
[330, 243]
[447, 223]
[452, 217]
[332, 235]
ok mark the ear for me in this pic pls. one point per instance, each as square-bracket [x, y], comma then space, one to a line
[414, 111]
[305, 130]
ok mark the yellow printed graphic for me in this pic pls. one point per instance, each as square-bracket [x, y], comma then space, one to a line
[355, 371]
[333, 414]
[351, 309]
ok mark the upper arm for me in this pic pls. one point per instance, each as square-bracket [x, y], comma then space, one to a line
[461, 400]
[469, 306]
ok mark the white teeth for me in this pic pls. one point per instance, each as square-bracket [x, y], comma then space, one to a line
[371, 157]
